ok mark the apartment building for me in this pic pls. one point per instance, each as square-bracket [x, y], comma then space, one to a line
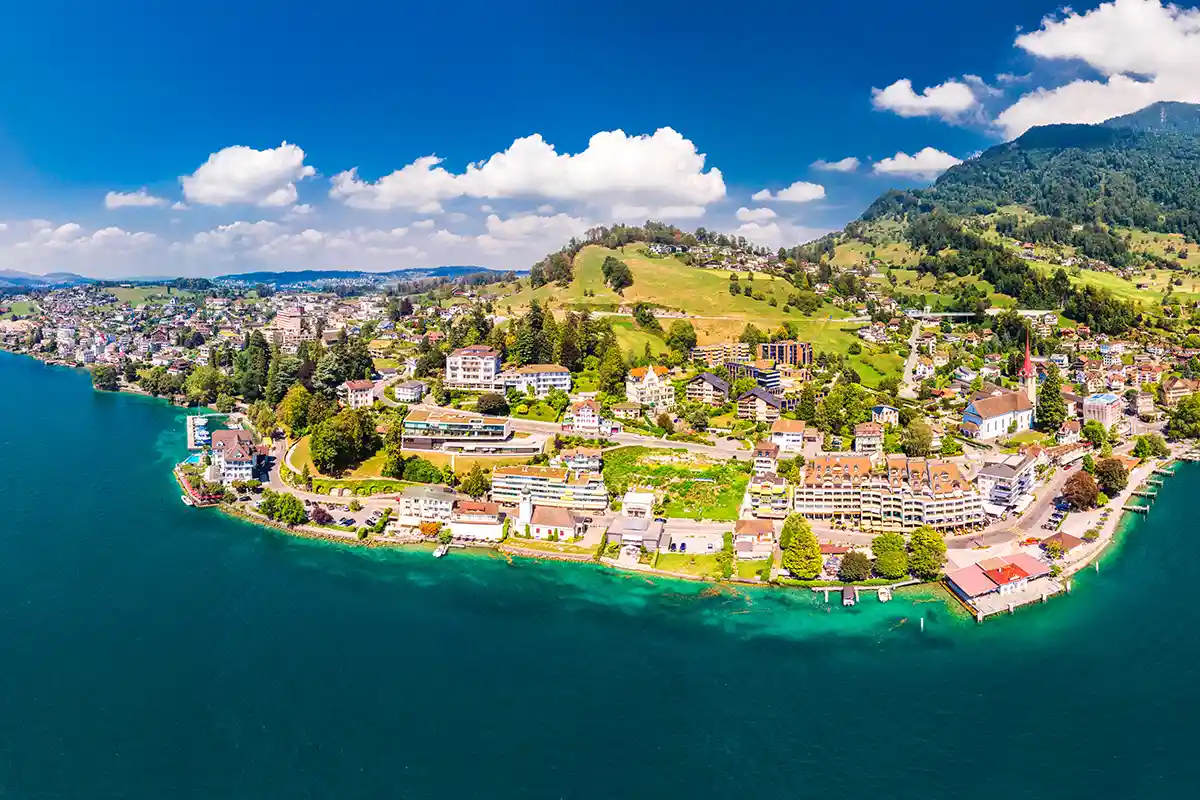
[541, 379]
[759, 405]
[359, 394]
[1175, 389]
[769, 496]
[765, 457]
[583, 419]
[426, 504]
[714, 355]
[708, 389]
[1104, 408]
[474, 369]
[905, 494]
[796, 354]
[1006, 483]
[788, 434]
[549, 486]
[763, 373]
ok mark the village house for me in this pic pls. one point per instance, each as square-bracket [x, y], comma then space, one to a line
[788, 434]
[583, 419]
[754, 539]
[1175, 389]
[1068, 432]
[409, 391]
[425, 504]
[885, 415]
[579, 459]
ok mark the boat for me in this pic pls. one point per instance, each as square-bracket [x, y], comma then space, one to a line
[187, 501]
[441, 550]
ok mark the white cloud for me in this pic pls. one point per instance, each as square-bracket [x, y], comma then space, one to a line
[486, 209]
[663, 170]
[444, 236]
[798, 192]
[243, 175]
[949, 100]
[423, 223]
[777, 233]
[1146, 51]
[237, 233]
[925, 164]
[545, 208]
[754, 214]
[847, 164]
[139, 199]
[179, 205]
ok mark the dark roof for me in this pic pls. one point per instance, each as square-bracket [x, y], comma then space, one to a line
[720, 385]
[764, 395]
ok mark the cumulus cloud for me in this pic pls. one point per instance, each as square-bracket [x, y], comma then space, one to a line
[1147, 51]
[243, 175]
[423, 223]
[237, 233]
[778, 233]
[798, 192]
[925, 164]
[139, 199]
[949, 100]
[847, 164]
[754, 214]
[662, 170]
[179, 205]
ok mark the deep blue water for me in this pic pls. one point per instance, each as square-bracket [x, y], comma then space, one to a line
[149, 650]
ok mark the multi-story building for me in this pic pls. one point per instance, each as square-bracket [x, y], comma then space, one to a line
[709, 389]
[714, 355]
[1175, 389]
[290, 323]
[428, 429]
[473, 369]
[549, 486]
[868, 437]
[907, 494]
[759, 405]
[583, 419]
[409, 391]
[885, 415]
[234, 456]
[650, 387]
[769, 496]
[426, 503]
[359, 394]
[1006, 483]
[765, 457]
[763, 373]
[540, 378]
[797, 354]
[580, 459]
[788, 434]
[1104, 408]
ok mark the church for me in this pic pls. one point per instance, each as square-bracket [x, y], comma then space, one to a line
[1000, 412]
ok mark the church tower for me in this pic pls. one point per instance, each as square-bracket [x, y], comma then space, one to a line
[1028, 375]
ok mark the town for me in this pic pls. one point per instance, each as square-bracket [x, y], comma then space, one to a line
[995, 452]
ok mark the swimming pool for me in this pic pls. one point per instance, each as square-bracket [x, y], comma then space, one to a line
[192, 459]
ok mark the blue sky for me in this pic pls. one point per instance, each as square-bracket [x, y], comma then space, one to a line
[146, 138]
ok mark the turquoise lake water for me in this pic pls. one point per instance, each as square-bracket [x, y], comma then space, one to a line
[150, 650]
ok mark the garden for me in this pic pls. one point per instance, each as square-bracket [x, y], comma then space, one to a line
[687, 485]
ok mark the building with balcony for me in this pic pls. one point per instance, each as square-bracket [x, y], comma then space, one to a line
[473, 369]
[428, 429]
[651, 388]
[796, 354]
[549, 486]
[541, 379]
[714, 355]
[905, 493]
[708, 389]
[769, 496]
[1006, 484]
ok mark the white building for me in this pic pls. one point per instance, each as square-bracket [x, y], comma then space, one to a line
[409, 391]
[473, 369]
[997, 415]
[1006, 483]
[550, 486]
[359, 394]
[540, 378]
[234, 456]
[583, 419]
[650, 387]
[788, 434]
[426, 504]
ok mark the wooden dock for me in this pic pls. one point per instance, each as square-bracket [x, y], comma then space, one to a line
[1144, 493]
[1138, 509]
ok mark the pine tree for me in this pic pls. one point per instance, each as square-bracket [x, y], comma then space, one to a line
[1051, 406]
[803, 555]
[612, 371]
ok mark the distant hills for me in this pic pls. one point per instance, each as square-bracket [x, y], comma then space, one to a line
[1141, 170]
[315, 275]
[11, 279]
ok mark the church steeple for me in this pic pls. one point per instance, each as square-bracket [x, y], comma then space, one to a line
[1028, 374]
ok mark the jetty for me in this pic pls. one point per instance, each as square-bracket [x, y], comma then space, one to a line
[198, 436]
[1136, 508]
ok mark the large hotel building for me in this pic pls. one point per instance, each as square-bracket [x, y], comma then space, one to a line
[906, 494]
[550, 486]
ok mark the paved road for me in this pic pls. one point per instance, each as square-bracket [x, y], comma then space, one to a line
[907, 389]
[721, 448]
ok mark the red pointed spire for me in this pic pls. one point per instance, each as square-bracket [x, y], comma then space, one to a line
[1027, 368]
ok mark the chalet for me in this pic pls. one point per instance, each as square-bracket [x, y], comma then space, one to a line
[708, 389]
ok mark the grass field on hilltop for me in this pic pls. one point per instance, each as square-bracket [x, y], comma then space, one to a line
[853, 253]
[21, 309]
[666, 282]
[136, 295]
[1124, 289]
[634, 340]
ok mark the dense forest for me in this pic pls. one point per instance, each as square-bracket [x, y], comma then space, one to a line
[1139, 171]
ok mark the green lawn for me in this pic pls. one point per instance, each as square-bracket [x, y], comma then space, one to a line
[540, 412]
[548, 547]
[690, 486]
[633, 339]
[372, 467]
[136, 295]
[21, 309]
[698, 565]
[750, 569]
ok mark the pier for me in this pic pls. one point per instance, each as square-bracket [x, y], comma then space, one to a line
[1138, 509]
[1144, 493]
